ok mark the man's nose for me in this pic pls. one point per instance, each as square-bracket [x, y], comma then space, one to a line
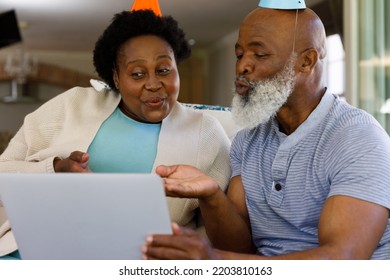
[244, 66]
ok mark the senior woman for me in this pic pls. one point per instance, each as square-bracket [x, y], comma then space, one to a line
[132, 125]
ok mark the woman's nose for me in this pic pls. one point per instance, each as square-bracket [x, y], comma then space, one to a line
[153, 83]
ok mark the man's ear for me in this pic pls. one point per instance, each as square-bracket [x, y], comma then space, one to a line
[308, 60]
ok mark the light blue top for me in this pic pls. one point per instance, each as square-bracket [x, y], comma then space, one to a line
[338, 150]
[123, 145]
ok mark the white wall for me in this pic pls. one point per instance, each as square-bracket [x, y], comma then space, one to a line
[221, 67]
[78, 61]
[12, 114]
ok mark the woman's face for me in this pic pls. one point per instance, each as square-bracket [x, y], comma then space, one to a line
[147, 78]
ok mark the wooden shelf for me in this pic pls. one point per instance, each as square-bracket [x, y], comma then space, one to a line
[54, 75]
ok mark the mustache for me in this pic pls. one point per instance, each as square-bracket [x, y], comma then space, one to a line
[246, 81]
[245, 99]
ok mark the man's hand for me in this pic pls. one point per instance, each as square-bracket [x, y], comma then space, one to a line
[184, 244]
[187, 181]
[76, 162]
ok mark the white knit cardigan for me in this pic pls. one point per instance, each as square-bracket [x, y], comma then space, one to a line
[70, 121]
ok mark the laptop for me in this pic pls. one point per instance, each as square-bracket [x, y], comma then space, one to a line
[76, 216]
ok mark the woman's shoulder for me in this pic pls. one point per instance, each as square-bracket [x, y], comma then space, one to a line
[73, 93]
[78, 99]
[86, 97]
[212, 116]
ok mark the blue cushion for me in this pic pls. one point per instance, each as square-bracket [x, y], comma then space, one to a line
[207, 107]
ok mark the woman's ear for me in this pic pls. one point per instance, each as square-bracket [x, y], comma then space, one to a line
[116, 78]
[308, 60]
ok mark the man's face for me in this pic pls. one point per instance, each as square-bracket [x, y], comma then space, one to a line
[263, 99]
[264, 68]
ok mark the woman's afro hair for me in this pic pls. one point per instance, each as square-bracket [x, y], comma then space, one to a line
[130, 24]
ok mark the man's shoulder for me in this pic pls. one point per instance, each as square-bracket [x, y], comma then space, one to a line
[345, 113]
[354, 128]
[344, 117]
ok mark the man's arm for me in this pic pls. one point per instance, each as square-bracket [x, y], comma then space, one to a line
[226, 219]
[349, 228]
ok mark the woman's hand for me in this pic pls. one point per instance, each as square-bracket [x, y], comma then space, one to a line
[187, 181]
[76, 162]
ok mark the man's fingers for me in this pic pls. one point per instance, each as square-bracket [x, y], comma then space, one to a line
[170, 241]
[178, 230]
[163, 253]
[175, 247]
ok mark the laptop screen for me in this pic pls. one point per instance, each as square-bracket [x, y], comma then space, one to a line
[84, 216]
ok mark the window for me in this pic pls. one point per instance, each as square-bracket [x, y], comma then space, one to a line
[335, 65]
[368, 68]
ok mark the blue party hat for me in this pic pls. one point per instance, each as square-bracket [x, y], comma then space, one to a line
[283, 4]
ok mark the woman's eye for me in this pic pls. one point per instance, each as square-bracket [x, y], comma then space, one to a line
[137, 75]
[164, 71]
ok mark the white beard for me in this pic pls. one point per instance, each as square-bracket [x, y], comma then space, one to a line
[265, 98]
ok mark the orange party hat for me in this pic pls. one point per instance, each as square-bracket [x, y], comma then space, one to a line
[147, 5]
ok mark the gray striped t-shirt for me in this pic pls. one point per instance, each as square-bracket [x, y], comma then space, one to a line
[338, 150]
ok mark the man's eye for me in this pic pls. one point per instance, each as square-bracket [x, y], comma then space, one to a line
[260, 55]
[239, 56]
